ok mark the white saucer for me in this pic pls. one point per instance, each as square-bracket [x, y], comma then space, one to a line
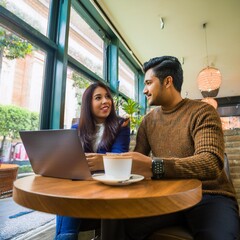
[102, 178]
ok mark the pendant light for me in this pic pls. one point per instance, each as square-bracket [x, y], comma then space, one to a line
[209, 79]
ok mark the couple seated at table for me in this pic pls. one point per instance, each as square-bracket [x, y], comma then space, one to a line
[186, 139]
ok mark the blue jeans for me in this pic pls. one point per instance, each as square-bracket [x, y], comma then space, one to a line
[67, 228]
[216, 217]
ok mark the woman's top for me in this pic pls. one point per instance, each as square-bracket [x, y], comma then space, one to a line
[121, 142]
[98, 137]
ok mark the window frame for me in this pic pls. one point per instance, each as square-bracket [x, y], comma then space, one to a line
[55, 44]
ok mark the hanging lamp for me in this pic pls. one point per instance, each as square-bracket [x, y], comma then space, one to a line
[209, 79]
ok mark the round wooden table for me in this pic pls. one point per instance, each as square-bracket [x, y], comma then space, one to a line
[92, 199]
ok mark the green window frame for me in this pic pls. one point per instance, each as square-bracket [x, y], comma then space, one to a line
[55, 45]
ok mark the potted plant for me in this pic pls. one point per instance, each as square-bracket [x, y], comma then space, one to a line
[132, 108]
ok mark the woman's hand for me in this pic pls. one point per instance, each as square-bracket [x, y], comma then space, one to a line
[95, 161]
[142, 164]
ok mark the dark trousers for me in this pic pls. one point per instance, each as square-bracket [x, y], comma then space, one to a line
[214, 218]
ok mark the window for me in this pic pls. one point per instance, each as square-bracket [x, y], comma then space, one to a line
[28, 85]
[76, 85]
[126, 79]
[35, 13]
[85, 45]
[21, 81]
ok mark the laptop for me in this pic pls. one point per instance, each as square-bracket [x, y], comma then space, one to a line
[56, 153]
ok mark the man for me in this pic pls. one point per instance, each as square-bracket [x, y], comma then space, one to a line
[186, 140]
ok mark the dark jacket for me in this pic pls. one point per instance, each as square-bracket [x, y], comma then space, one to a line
[121, 143]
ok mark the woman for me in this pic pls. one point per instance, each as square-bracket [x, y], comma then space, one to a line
[100, 131]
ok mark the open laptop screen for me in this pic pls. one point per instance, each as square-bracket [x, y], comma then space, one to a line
[56, 153]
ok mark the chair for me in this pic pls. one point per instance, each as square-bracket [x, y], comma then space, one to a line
[172, 233]
[178, 232]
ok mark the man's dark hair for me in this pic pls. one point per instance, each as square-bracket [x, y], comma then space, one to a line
[166, 66]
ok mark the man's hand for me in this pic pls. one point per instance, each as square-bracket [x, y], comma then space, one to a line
[142, 164]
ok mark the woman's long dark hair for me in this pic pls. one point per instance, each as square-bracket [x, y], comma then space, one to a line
[87, 125]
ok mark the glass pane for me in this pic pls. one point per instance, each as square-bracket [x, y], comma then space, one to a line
[76, 85]
[85, 45]
[35, 13]
[126, 79]
[21, 80]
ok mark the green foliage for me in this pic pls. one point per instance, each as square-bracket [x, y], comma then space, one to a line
[12, 46]
[79, 83]
[13, 119]
[3, 3]
[25, 169]
[132, 108]
[117, 101]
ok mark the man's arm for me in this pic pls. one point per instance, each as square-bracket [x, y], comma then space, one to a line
[206, 163]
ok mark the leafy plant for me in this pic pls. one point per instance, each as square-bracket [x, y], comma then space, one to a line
[25, 169]
[79, 83]
[132, 108]
[13, 119]
[11, 46]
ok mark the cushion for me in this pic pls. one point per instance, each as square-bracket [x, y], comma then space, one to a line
[171, 233]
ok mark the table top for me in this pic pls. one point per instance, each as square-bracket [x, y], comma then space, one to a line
[92, 199]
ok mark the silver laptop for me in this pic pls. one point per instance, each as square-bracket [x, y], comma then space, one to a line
[56, 153]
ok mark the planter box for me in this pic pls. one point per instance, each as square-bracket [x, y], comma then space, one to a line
[8, 174]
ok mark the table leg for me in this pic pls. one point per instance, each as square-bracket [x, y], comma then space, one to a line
[112, 229]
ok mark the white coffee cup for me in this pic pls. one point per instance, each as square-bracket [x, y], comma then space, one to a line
[117, 167]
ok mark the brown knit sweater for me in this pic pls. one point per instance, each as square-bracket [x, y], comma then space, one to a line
[189, 139]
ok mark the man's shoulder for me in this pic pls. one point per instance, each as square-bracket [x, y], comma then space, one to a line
[151, 117]
[199, 109]
[153, 112]
[198, 104]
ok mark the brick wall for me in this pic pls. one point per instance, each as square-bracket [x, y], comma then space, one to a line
[232, 148]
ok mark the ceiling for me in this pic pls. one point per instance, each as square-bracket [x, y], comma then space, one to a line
[183, 36]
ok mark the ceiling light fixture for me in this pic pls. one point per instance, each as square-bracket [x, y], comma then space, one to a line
[161, 22]
[209, 79]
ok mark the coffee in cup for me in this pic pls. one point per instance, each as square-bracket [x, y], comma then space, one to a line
[117, 167]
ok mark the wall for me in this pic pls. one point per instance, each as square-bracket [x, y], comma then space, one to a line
[232, 148]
